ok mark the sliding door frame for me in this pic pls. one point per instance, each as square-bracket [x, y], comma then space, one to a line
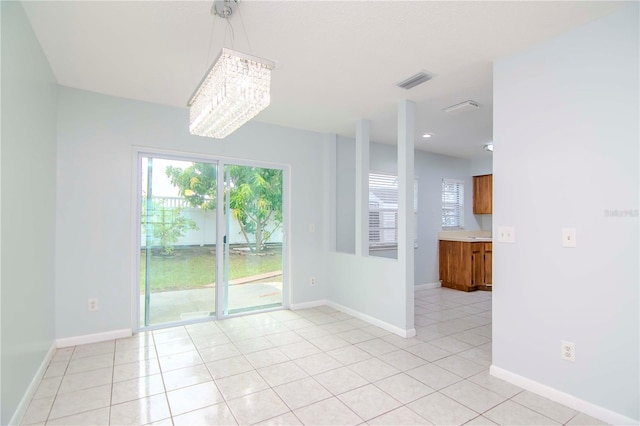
[286, 296]
[220, 161]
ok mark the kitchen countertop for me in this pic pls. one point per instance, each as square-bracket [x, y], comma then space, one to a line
[466, 236]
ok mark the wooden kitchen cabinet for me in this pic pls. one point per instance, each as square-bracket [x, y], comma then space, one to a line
[483, 194]
[465, 266]
[477, 264]
[488, 262]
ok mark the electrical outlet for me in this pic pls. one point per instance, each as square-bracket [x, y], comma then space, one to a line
[312, 281]
[506, 234]
[312, 227]
[92, 305]
[568, 352]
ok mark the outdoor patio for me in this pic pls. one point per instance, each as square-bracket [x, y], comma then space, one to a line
[183, 305]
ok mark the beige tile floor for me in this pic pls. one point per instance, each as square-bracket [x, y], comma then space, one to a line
[315, 367]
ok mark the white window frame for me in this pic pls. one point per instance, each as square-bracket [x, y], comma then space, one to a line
[452, 204]
[389, 229]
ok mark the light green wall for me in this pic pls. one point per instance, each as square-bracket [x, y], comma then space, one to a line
[28, 190]
[566, 150]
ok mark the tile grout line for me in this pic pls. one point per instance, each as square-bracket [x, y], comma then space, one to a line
[113, 369]
[166, 394]
[224, 400]
[60, 385]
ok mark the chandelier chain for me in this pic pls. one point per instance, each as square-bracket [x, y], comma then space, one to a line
[244, 28]
[206, 64]
[232, 35]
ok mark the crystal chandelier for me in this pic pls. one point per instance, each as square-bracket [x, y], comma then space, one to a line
[233, 91]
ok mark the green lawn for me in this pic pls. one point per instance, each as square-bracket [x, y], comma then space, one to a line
[196, 267]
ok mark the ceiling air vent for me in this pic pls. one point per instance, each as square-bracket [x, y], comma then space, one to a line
[414, 80]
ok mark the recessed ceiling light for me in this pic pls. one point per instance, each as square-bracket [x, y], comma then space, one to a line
[427, 135]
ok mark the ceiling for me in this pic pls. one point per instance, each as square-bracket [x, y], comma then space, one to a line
[337, 61]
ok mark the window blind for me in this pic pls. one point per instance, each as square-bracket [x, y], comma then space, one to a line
[383, 210]
[452, 203]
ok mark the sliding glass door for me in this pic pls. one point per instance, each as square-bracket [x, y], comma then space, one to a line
[178, 240]
[253, 249]
[204, 223]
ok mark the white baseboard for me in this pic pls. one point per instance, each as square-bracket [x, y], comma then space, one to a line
[21, 410]
[373, 321]
[307, 305]
[356, 314]
[93, 338]
[601, 413]
[427, 286]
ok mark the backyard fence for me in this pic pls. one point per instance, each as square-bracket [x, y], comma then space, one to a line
[205, 220]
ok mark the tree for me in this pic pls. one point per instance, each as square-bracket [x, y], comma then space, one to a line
[166, 223]
[196, 183]
[255, 196]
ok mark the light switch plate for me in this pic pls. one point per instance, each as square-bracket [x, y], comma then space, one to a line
[506, 234]
[568, 237]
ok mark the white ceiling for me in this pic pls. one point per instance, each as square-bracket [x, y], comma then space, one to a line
[337, 61]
